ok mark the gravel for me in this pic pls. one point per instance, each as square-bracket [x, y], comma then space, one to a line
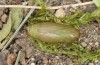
[84, 44]
[4, 18]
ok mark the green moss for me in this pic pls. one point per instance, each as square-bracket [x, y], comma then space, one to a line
[70, 49]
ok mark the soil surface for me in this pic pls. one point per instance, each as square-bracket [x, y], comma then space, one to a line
[30, 55]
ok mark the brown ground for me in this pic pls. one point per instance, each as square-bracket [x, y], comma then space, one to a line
[32, 56]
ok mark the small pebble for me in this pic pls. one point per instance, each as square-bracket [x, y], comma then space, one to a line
[69, 61]
[32, 59]
[60, 13]
[57, 57]
[29, 52]
[97, 43]
[88, 47]
[84, 44]
[4, 18]
[86, 40]
[45, 61]
[32, 63]
[90, 43]
[11, 59]
[91, 64]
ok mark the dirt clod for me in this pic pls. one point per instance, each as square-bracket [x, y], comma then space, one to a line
[29, 52]
[4, 18]
[22, 59]
[11, 59]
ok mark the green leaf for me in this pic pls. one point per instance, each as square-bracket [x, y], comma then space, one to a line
[97, 2]
[16, 17]
[6, 29]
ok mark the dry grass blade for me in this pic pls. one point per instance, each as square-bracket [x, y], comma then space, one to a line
[18, 57]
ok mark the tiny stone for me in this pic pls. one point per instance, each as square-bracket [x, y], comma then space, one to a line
[60, 13]
[22, 59]
[91, 64]
[90, 43]
[29, 52]
[32, 63]
[69, 61]
[4, 18]
[86, 40]
[45, 61]
[11, 59]
[32, 59]
[57, 57]
[83, 44]
[88, 47]
[96, 43]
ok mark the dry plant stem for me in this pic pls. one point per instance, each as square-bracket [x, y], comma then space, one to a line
[18, 57]
[53, 7]
[5, 41]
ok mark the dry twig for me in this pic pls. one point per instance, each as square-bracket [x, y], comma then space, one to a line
[53, 7]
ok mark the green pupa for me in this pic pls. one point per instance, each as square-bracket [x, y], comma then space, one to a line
[51, 32]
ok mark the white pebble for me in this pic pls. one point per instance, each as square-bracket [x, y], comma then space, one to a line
[57, 57]
[24, 3]
[32, 59]
[60, 13]
[97, 43]
[4, 18]
[90, 43]
[32, 63]
[83, 44]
